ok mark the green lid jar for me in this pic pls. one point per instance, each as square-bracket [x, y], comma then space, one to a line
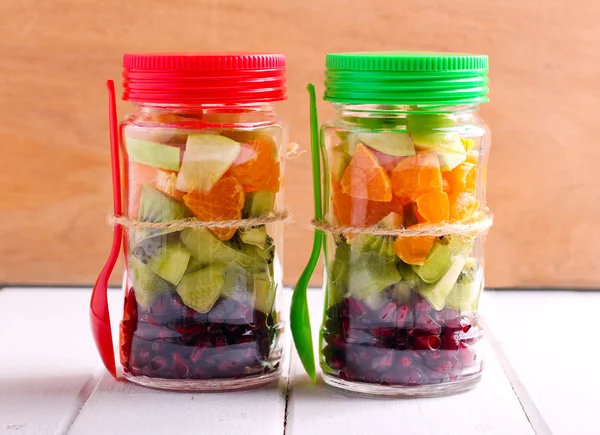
[405, 216]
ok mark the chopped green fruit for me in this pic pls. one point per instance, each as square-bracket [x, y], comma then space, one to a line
[391, 221]
[436, 265]
[264, 293]
[168, 260]
[259, 203]
[262, 259]
[440, 257]
[273, 134]
[194, 265]
[448, 146]
[469, 144]
[408, 274]
[153, 153]
[206, 158]
[428, 122]
[206, 248]
[146, 284]
[339, 274]
[338, 162]
[388, 142]
[463, 295]
[200, 290]
[382, 245]
[369, 274]
[157, 207]
[459, 245]
[236, 285]
[256, 236]
[437, 294]
[387, 247]
[467, 289]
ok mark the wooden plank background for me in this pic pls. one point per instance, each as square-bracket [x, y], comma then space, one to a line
[543, 176]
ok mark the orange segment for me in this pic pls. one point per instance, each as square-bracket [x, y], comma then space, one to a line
[223, 202]
[462, 178]
[364, 178]
[415, 175]
[434, 207]
[387, 162]
[462, 191]
[257, 167]
[360, 212]
[413, 250]
[463, 207]
[139, 175]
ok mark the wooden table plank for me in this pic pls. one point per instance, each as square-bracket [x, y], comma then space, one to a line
[48, 359]
[549, 341]
[120, 407]
[491, 408]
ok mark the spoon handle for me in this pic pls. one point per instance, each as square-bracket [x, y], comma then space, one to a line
[99, 314]
[300, 319]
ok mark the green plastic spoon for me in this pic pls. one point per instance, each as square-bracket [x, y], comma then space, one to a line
[299, 319]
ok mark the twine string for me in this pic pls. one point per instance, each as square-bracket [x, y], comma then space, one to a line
[127, 222]
[479, 226]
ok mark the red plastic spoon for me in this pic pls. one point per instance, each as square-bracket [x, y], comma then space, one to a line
[99, 316]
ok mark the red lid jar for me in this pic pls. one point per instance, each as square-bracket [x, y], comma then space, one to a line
[203, 170]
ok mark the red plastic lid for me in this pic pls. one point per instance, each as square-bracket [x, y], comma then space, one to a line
[204, 78]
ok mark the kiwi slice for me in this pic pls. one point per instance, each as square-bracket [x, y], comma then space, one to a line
[146, 284]
[259, 203]
[206, 248]
[437, 294]
[256, 236]
[370, 273]
[155, 206]
[200, 290]
[168, 260]
[382, 245]
[194, 265]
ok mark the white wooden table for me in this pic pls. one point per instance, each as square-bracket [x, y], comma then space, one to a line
[546, 380]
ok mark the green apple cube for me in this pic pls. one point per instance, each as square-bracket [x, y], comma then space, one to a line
[153, 153]
[387, 142]
[259, 203]
[338, 162]
[448, 146]
[206, 158]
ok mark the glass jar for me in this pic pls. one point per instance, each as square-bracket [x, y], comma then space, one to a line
[202, 146]
[405, 210]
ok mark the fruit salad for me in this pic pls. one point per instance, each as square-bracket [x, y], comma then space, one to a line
[201, 302]
[401, 311]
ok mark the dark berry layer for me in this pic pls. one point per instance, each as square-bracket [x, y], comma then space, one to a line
[399, 344]
[171, 341]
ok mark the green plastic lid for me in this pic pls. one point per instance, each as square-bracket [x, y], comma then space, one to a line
[406, 78]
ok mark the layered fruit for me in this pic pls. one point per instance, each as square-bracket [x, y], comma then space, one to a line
[402, 310]
[201, 301]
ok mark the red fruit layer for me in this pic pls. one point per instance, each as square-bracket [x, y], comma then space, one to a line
[399, 344]
[171, 341]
